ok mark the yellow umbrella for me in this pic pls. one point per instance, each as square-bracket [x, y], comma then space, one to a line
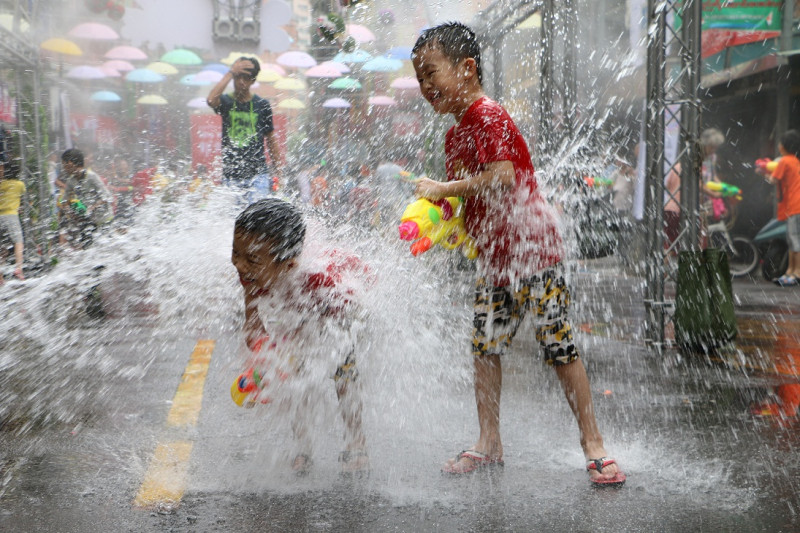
[233, 56]
[268, 76]
[289, 84]
[61, 46]
[165, 69]
[291, 103]
[152, 99]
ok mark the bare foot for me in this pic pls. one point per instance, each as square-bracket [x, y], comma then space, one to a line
[301, 464]
[354, 462]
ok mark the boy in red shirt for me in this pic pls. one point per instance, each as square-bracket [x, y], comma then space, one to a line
[313, 301]
[519, 245]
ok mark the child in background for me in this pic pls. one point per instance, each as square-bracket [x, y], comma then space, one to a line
[516, 232]
[787, 175]
[309, 297]
[11, 191]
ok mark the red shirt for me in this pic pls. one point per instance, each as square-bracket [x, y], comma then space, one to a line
[788, 175]
[516, 232]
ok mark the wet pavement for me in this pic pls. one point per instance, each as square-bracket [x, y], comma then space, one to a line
[681, 426]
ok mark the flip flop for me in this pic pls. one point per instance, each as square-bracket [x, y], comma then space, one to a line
[478, 461]
[598, 464]
[786, 281]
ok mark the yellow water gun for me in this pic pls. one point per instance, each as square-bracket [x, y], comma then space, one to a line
[427, 223]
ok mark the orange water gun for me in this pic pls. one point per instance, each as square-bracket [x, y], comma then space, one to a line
[427, 223]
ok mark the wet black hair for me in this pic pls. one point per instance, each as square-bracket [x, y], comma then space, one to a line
[276, 221]
[74, 156]
[256, 66]
[11, 169]
[456, 41]
[791, 142]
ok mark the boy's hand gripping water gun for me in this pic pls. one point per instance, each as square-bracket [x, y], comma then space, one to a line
[428, 223]
[248, 388]
[765, 164]
[725, 189]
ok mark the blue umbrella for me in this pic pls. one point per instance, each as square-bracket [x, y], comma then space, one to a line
[193, 81]
[382, 64]
[217, 67]
[143, 75]
[356, 56]
[400, 52]
[105, 96]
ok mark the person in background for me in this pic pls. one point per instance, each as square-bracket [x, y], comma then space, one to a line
[11, 191]
[122, 186]
[86, 205]
[246, 124]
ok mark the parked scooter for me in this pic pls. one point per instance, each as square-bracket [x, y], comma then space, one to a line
[771, 242]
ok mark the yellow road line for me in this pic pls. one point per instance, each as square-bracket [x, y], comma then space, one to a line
[189, 398]
[167, 474]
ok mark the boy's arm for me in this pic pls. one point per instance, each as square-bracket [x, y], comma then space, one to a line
[253, 326]
[497, 175]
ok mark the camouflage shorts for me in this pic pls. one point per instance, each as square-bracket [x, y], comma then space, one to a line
[499, 311]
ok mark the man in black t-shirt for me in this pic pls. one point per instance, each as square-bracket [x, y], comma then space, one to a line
[246, 123]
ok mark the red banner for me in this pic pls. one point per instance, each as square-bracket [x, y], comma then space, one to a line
[100, 130]
[206, 131]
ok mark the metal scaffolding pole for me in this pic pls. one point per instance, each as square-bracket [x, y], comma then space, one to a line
[673, 75]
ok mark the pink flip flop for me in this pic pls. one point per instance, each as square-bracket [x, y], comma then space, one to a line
[478, 461]
[598, 464]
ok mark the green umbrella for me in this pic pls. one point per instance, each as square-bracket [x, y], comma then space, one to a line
[181, 56]
[345, 83]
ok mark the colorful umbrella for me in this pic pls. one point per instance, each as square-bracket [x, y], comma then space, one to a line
[356, 56]
[181, 56]
[272, 66]
[208, 76]
[323, 71]
[360, 33]
[382, 64]
[94, 31]
[402, 53]
[345, 83]
[144, 75]
[119, 65]
[341, 67]
[291, 103]
[289, 84]
[198, 103]
[267, 75]
[381, 100]
[85, 72]
[296, 58]
[110, 72]
[405, 83]
[165, 69]
[336, 103]
[217, 67]
[152, 99]
[128, 53]
[61, 46]
[105, 96]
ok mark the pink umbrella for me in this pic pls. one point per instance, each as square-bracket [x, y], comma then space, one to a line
[405, 83]
[382, 100]
[360, 33]
[94, 31]
[197, 103]
[85, 72]
[323, 71]
[341, 67]
[119, 65]
[128, 53]
[110, 72]
[296, 58]
[336, 103]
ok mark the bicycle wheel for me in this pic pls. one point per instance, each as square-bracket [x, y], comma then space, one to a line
[743, 258]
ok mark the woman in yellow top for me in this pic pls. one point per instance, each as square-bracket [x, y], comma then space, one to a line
[11, 191]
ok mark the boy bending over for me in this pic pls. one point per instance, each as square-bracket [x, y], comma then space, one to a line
[516, 232]
[310, 298]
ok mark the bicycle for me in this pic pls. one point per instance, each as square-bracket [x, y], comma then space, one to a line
[743, 254]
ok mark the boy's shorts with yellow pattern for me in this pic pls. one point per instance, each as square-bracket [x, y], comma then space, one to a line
[499, 311]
